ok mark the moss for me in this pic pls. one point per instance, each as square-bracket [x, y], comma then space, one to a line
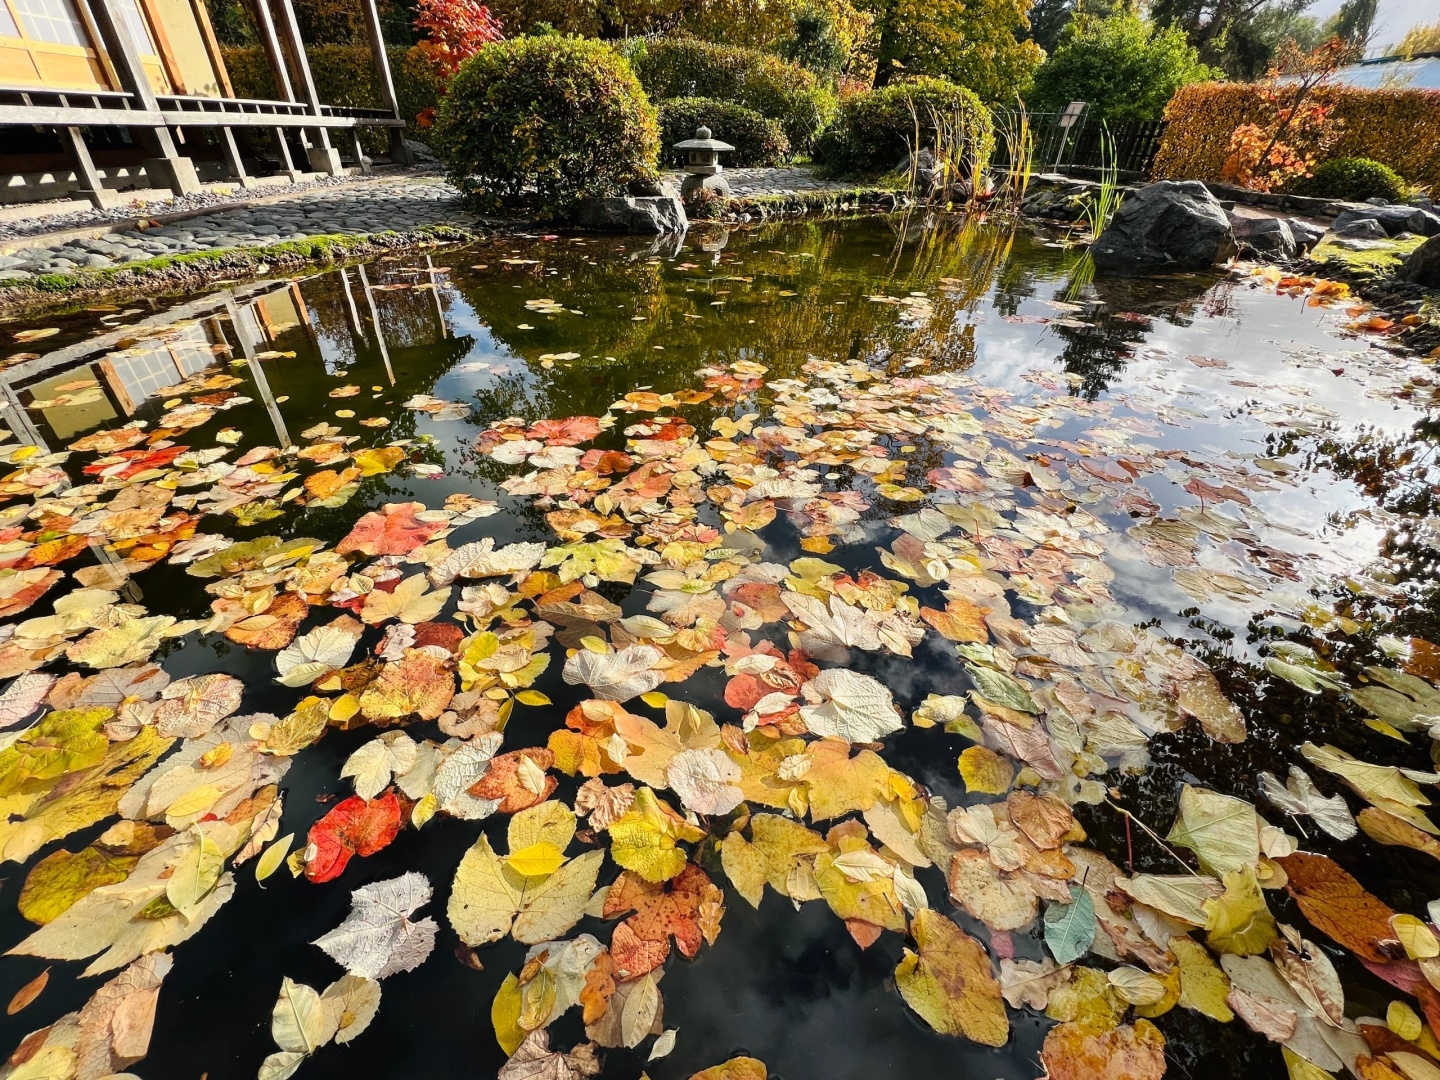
[1369, 263]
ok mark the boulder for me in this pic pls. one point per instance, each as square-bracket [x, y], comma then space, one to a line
[1422, 266]
[1265, 236]
[1168, 225]
[1358, 229]
[1393, 219]
[1307, 234]
[1055, 204]
[644, 214]
[422, 153]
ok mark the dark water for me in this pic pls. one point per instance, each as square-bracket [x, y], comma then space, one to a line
[1350, 423]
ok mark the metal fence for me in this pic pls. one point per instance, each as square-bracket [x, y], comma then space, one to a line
[1080, 145]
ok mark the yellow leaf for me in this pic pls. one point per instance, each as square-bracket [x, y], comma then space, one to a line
[646, 840]
[537, 860]
[949, 983]
[505, 1015]
[532, 697]
[655, 699]
[1403, 1021]
[1203, 985]
[424, 810]
[1239, 921]
[594, 644]
[273, 856]
[1416, 936]
[985, 772]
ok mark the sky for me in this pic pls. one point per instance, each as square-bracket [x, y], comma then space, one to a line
[1395, 17]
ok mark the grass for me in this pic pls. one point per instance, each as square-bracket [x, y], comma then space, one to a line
[1372, 262]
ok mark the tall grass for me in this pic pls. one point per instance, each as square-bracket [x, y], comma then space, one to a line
[960, 152]
[1014, 127]
[1100, 206]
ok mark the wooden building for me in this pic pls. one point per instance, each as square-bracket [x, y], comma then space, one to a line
[96, 95]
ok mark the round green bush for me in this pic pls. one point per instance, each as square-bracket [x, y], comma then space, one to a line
[873, 131]
[1352, 179]
[757, 139]
[545, 122]
[687, 67]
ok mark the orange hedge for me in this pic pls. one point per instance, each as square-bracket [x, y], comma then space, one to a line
[1400, 128]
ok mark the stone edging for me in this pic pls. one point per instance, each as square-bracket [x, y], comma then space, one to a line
[196, 269]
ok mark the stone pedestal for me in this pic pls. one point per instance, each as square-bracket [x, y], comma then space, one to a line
[325, 159]
[714, 183]
[177, 173]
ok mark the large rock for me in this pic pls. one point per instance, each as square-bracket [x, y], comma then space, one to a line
[1265, 236]
[1358, 229]
[1422, 266]
[1394, 219]
[1168, 225]
[1307, 234]
[647, 214]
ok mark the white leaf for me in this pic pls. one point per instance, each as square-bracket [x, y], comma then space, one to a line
[378, 938]
[705, 780]
[616, 676]
[318, 652]
[849, 705]
[664, 1044]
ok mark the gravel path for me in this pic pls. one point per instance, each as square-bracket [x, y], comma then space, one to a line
[401, 204]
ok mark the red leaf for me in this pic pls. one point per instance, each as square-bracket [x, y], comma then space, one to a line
[352, 827]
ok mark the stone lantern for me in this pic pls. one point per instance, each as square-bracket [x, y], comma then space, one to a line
[702, 164]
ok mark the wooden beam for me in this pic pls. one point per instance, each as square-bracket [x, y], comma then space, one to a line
[85, 172]
[212, 47]
[399, 152]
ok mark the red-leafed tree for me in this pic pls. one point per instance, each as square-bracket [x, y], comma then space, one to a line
[454, 30]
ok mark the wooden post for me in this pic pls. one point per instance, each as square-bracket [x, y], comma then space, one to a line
[281, 73]
[90, 185]
[232, 156]
[361, 161]
[324, 157]
[166, 168]
[399, 152]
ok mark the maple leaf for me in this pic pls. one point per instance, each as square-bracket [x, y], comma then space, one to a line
[409, 601]
[686, 908]
[647, 838]
[378, 938]
[352, 827]
[418, 684]
[275, 627]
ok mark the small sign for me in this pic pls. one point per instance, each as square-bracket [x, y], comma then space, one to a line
[1071, 114]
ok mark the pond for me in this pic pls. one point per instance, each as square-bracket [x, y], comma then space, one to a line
[862, 584]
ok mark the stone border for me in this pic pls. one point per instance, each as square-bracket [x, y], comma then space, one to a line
[193, 270]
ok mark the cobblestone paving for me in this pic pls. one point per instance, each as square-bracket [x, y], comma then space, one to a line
[400, 204]
[379, 206]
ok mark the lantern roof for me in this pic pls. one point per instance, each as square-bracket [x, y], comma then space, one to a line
[703, 141]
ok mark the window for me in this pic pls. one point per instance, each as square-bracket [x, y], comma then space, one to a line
[135, 23]
[7, 23]
[53, 21]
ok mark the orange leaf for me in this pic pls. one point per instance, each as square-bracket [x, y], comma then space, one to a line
[676, 909]
[1074, 1052]
[1338, 906]
[515, 783]
[27, 993]
[393, 530]
[352, 827]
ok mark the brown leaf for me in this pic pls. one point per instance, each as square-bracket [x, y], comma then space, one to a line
[1074, 1052]
[27, 993]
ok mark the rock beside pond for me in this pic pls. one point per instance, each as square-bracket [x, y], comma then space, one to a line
[645, 214]
[1267, 236]
[1393, 219]
[1307, 234]
[1422, 266]
[1358, 229]
[1168, 225]
[1057, 204]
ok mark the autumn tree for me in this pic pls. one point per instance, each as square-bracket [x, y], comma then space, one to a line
[454, 31]
[976, 43]
[1420, 38]
[1284, 146]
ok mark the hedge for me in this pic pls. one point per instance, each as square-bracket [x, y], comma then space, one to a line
[1399, 128]
[687, 67]
[758, 140]
[345, 75]
[544, 123]
[873, 131]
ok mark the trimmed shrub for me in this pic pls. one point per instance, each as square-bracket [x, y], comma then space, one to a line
[1398, 128]
[1352, 179]
[688, 68]
[345, 75]
[547, 121]
[757, 139]
[873, 131]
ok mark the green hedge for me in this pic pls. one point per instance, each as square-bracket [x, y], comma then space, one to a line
[345, 75]
[873, 131]
[689, 68]
[757, 139]
[545, 122]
